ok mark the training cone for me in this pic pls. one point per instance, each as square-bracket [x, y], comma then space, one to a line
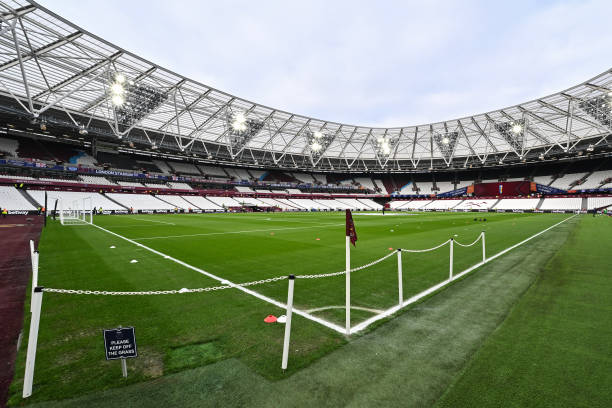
[390, 249]
[270, 319]
[112, 247]
[281, 319]
[133, 261]
[318, 239]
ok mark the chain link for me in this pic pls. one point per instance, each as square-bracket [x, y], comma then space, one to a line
[428, 249]
[463, 245]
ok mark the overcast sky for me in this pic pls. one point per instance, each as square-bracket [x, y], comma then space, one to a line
[376, 63]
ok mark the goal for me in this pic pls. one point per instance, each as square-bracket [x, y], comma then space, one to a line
[77, 212]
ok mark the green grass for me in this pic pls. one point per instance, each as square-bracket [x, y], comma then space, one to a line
[555, 348]
[177, 332]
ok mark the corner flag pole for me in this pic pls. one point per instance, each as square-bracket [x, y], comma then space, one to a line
[351, 238]
[348, 285]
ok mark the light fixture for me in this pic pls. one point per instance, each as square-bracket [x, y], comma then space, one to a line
[120, 78]
[239, 124]
[317, 134]
[117, 100]
[590, 148]
[541, 156]
[446, 140]
[517, 128]
[82, 130]
[116, 88]
[315, 146]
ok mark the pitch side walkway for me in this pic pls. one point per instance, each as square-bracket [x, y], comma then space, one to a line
[15, 269]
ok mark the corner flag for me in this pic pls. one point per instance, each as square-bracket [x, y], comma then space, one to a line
[350, 227]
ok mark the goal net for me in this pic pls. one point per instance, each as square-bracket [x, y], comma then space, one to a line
[77, 212]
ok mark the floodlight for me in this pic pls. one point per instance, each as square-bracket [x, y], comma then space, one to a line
[120, 78]
[239, 123]
[446, 140]
[590, 148]
[118, 100]
[386, 149]
[315, 146]
[517, 128]
[317, 134]
[116, 88]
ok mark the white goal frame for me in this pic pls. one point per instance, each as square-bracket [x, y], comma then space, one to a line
[78, 212]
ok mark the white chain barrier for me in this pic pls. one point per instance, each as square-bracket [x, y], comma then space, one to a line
[426, 250]
[257, 282]
[469, 245]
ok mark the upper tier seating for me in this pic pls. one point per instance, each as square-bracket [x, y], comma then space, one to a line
[425, 187]
[238, 174]
[517, 204]
[445, 186]
[257, 174]
[140, 201]
[184, 168]
[545, 180]
[212, 171]
[157, 186]
[561, 204]
[303, 178]
[69, 197]
[162, 166]
[567, 180]
[366, 182]
[9, 146]
[595, 180]
[11, 199]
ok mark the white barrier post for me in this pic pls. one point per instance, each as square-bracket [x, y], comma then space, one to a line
[450, 268]
[28, 378]
[348, 285]
[35, 257]
[484, 253]
[400, 281]
[288, 322]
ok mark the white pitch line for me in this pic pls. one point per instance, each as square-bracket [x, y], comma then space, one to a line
[229, 283]
[235, 232]
[161, 222]
[434, 288]
[366, 309]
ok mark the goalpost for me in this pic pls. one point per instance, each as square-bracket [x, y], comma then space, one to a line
[78, 212]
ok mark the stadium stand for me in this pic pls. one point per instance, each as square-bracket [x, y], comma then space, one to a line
[416, 204]
[176, 201]
[179, 186]
[202, 203]
[309, 204]
[304, 178]
[475, 204]
[68, 197]
[598, 202]
[445, 186]
[370, 203]
[184, 168]
[224, 201]
[517, 204]
[162, 166]
[156, 185]
[441, 205]
[595, 180]
[12, 200]
[140, 201]
[129, 183]
[212, 171]
[566, 181]
[243, 189]
[9, 146]
[102, 181]
[238, 174]
[561, 204]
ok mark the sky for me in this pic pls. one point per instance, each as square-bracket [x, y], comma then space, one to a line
[372, 63]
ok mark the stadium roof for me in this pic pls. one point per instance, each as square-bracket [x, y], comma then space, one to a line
[49, 65]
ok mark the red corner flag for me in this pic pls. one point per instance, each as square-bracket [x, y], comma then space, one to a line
[350, 227]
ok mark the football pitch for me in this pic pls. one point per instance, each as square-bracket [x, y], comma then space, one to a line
[176, 332]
